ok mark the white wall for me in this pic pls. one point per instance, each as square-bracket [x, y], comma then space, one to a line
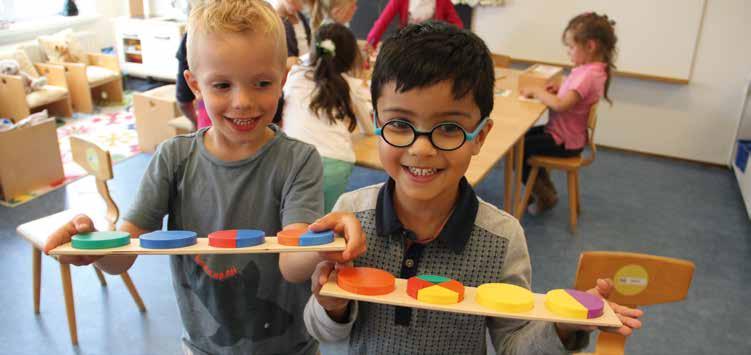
[697, 121]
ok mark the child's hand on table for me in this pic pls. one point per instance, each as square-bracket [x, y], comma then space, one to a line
[347, 225]
[79, 224]
[628, 316]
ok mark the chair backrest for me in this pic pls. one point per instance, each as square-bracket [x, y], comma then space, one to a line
[97, 162]
[500, 60]
[640, 280]
[591, 124]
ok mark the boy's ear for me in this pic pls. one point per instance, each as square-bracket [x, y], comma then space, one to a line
[480, 139]
[192, 83]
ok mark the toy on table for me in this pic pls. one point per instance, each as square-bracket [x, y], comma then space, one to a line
[237, 238]
[100, 240]
[540, 76]
[304, 237]
[365, 280]
[574, 304]
[435, 289]
[505, 297]
[168, 239]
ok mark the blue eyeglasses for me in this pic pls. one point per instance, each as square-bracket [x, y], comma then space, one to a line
[445, 136]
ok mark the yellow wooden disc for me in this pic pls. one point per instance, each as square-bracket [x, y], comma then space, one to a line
[505, 297]
[563, 304]
[437, 294]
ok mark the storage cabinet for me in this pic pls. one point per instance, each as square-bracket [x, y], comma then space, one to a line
[740, 151]
[147, 47]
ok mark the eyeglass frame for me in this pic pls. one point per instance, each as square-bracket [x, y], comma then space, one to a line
[468, 136]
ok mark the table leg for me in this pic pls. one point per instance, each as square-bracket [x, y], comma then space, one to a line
[508, 180]
[518, 161]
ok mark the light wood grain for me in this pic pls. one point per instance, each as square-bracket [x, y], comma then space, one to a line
[399, 297]
[201, 247]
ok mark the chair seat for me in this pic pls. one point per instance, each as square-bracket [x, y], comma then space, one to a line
[38, 230]
[99, 75]
[570, 163]
[47, 95]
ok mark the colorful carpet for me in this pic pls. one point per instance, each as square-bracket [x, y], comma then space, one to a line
[113, 128]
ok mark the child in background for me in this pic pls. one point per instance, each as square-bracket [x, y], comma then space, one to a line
[432, 116]
[328, 11]
[324, 105]
[296, 27]
[591, 42]
[411, 11]
[242, 172]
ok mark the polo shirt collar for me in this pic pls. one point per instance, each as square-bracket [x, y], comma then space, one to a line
[455, 233]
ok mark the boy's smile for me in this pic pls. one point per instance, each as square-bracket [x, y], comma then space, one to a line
[422, 172]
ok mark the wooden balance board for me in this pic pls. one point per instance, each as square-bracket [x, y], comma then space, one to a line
[186, 243]
[492, 300]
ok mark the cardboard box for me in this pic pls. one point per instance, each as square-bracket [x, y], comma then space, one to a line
[154, 109]
[29, 159]
[540, 75]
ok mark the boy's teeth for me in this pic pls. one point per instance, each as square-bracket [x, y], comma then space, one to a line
[241, 122]
[422, 172]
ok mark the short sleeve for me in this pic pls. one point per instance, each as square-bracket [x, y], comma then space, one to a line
[152, 197]
[303, 197]
[582, 84]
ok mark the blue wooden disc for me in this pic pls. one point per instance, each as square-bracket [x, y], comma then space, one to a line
[249, 237]
[316, 238]
[168, 239]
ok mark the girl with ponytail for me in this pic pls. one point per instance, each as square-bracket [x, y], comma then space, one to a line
[591, 42]
[324, 105]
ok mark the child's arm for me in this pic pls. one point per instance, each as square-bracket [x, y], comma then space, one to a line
[362, 108]
[328, 318]
[113, 264]
[380, 25]
[298, 267]
[558, 104]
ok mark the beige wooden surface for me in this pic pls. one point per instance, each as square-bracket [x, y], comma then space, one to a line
[399, 297]
[511, 116]
[201, 247]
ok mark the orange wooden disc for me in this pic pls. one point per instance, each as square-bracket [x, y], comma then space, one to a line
[365, 280]
[290, 236]
[455, 286]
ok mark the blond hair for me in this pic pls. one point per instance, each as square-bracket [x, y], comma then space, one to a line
[235, 16]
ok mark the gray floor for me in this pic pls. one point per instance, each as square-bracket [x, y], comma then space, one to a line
[629, 203]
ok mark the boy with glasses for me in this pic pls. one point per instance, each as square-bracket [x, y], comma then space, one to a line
[432, 91]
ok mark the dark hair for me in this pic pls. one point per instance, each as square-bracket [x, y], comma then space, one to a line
[599, 28]
[425, 54]
[331, 94]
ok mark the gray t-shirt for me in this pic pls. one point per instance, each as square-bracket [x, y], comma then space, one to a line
[234, 304]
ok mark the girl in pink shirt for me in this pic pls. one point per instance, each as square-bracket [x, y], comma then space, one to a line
[590, 39]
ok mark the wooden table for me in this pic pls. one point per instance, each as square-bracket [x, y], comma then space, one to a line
[511, 117]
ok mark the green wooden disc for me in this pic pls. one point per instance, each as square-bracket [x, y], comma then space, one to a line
[100, 240]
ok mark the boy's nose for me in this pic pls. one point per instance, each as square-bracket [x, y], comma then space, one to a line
[422, 146]
[242, 99]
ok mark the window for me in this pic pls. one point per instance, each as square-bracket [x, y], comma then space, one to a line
[24, 10]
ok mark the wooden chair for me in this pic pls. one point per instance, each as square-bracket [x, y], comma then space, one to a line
[640, 280]
[97, 162]
[98, 78]
[16, 104]
[500, 60]
[570, 165]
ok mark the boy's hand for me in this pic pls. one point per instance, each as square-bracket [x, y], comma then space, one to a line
[346, 224]
[336, 308]
[79, 224]
[628, 316]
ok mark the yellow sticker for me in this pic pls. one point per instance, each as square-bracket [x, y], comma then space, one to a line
[631, 280]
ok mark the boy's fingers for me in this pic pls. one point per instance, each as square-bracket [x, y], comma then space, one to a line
[354, 236]
[329, 221]
[63, 234]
